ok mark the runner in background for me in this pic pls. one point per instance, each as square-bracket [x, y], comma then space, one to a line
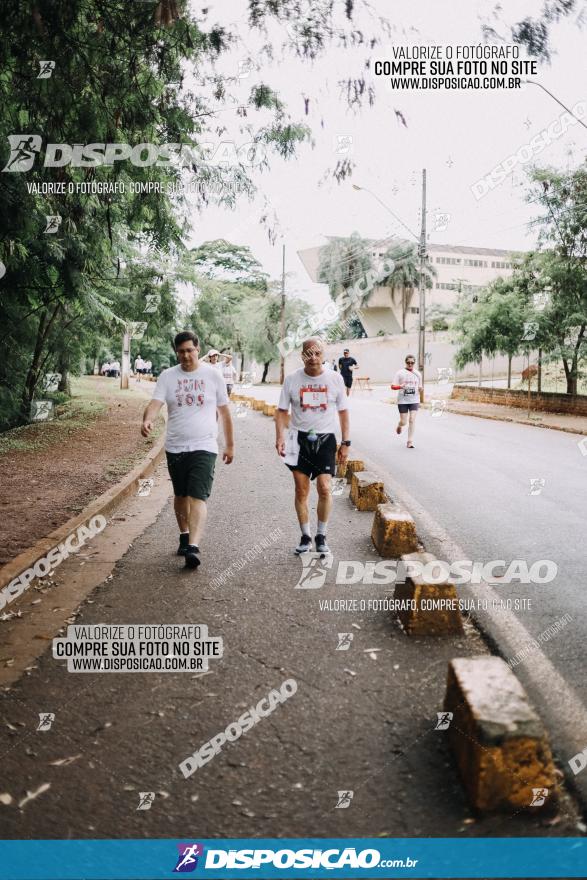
[195, 394]
[228, 371]
[308, 447]
[408, 382]
[139, 366]
[346, 365]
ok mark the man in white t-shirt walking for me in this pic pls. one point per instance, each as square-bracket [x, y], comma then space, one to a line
[194, 393]
[408, 382]
[315, 396]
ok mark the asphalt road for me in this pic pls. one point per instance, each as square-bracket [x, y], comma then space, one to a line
[362, 719]
[473, 476]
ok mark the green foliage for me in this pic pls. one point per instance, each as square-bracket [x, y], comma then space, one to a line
[558, 271]
[346, 263]
[120, 77]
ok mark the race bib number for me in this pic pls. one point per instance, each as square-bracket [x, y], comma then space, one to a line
[314, 398]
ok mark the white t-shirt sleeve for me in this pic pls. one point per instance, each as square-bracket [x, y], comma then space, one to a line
[285, 396]
[160, 388]
[342, 401]
[221, 395]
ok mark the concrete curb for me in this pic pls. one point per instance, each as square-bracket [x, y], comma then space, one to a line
[477, 415]
[101, 505]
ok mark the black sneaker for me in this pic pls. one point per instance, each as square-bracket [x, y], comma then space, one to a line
[184, 540]
[321, 545]
[304, 545]
[192, 560]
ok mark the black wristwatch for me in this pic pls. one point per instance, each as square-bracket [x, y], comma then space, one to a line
[345, 442]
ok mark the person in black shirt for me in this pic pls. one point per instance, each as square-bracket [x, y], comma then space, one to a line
[346, 365]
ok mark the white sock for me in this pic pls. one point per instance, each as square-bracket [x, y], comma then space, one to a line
[322, 527]
[305, 527]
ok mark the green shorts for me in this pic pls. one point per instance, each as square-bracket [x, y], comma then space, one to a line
[192, 473]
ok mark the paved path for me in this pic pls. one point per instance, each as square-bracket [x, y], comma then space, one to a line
[361, 720]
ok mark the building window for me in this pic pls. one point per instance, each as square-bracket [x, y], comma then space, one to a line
[498, 265]
[414, 310]
[448, 261]
[476, 263]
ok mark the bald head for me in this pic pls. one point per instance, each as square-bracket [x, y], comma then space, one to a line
[313, 355]
[312, 343]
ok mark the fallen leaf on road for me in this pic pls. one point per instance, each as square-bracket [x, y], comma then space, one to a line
[372, 655]
[64, 762]
[164, 794]
[350, 671]
[367, 650]
[6, 798]
[194, 798]
[31, 795]
[36, 601]
[356, 625]
[237, 803]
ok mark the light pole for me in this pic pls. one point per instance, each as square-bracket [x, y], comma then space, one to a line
[422, 303]
[282, 322]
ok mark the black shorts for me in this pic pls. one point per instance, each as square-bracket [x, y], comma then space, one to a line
[192, 473]
[315, 458]
[406, 407]
[347, 378]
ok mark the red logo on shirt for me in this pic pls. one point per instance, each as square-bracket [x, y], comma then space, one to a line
[190, 392]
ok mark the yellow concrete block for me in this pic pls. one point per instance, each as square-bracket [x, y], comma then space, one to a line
[498, 740]
[352, 466]
[427, 619]
[393, 532]
[367, 490]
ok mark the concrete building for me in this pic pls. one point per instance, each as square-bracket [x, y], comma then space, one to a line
[458, 269]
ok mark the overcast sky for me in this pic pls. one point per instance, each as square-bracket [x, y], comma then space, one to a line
[458, 136]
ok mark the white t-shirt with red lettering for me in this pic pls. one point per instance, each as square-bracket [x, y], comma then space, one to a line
[191, 398]
[314, 400]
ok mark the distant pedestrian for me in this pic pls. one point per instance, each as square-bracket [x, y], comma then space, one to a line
[105, 368]
[139, 366]
[147, 368]
[228, 371]
[346, 366]
[408, 382]
[114, 369]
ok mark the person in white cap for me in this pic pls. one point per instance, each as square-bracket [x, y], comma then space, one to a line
[223, 363]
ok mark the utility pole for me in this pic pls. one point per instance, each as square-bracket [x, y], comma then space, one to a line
[422, 305]
[282, 324]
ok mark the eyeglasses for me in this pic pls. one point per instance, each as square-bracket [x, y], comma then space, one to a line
[410, 362]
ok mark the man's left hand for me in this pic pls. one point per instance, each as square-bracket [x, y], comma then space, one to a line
[228, 454]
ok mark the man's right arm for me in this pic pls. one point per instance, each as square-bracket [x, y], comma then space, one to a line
[149, 416]
[281, 419]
